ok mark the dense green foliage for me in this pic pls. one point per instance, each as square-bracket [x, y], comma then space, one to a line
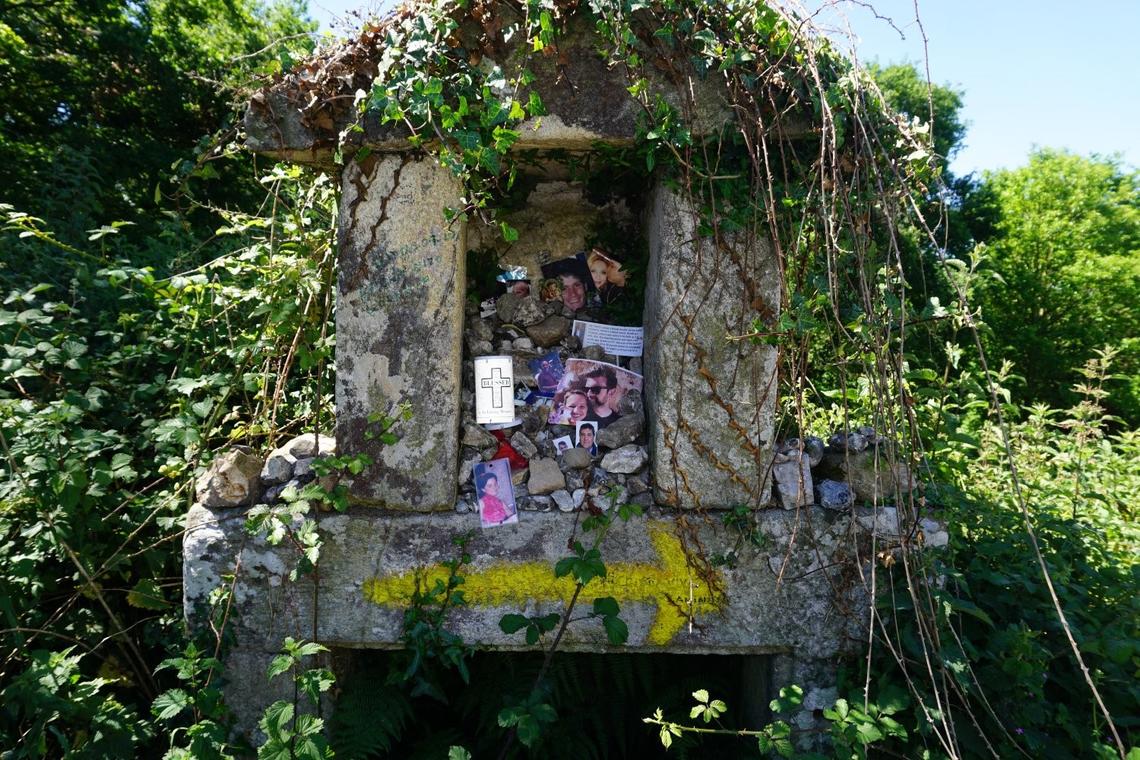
[1061, 274]
[133, 352]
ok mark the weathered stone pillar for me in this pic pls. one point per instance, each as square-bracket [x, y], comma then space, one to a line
[711, 399]
[399, 327]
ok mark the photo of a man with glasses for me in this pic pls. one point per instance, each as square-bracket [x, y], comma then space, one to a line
[600, 386]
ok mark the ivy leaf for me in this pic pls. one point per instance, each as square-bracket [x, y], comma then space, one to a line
[606, 605]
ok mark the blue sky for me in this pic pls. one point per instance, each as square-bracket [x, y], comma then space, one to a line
[1033, 72]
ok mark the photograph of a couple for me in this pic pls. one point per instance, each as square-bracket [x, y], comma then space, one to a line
[591, 391]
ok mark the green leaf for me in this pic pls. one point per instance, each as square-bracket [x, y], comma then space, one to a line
[616, 630]
[280, 664]
[457, 753]
[513, 623]
[606, 605]
[701, 695]
[170, 703]
[147, 595]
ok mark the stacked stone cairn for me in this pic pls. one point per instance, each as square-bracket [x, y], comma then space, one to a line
[526, 328]
[851, 466]
[240, 478]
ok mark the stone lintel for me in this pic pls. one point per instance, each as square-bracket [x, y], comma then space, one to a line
[713, 397]
[399, 328]
[780, 598]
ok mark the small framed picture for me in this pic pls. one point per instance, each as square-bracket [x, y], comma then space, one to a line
[563, 444]
[495, 494]
[586, 437]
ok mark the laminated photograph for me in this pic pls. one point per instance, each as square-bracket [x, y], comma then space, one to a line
[568, 280]
[606, 275]
[591, 391]
[587, 437]
[563, 444]
[494, 389]
[494, 493]
[614, 339]
[547, 373]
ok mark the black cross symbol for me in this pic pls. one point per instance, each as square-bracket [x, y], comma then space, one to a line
[496, 382]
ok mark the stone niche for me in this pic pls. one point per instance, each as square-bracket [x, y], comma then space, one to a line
[709, 403]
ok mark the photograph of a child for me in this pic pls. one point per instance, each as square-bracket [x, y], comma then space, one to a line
[495, 494]
[590, 391]
[606, 275]
[563, 444]
[587, 435]
[547, 372]
[573, 277]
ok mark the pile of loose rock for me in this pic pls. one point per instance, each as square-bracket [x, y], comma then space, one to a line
[545, 479]
[851, 466]
[241, 478]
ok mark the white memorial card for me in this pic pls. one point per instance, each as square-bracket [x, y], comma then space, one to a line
[616, 340]
[494, 389]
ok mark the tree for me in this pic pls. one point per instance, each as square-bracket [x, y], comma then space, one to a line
[102, 97]
[1061, 274]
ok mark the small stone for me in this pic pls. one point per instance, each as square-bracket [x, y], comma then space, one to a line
[478, 438]
[523, 445]
[857, 442]
[631, 403]
[867, 432]
[534, 504]
[521, 369]
[564, 500]
[835, 495]
[636, 484]
[529, 312]
[545, 477]
[466, 468]
[874, 478]
[478, 330]
[278, 468]
[813, 447]
[518, 476]
[625, 430]
[579, 496]
[627, 459]
[594, 353]
[643, 499]
[571, 343]
[524, 344]
[506, 346]
[934, 533]
[506, 305]
[309, 445]
[549, 331]
[232, 480]
[273, 494]
[542, 503]
[573, 479]
[788, 477]
[464, 506]
[303, 467]
[576, 458]
[482, 348]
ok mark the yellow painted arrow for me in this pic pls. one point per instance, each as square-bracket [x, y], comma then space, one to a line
[677, 591]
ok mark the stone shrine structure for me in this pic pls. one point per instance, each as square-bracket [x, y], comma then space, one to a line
[709, 404]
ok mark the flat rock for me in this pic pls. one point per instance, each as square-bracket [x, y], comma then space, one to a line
[564, 500]
[627, 459]
[576, 458]
[545, 477]
[631, 403]
[529, 312]
[835, 495]
[625, 430]
[476, 437]
[232, 480]
[506, 305]
[549, 331]
[523, 445]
